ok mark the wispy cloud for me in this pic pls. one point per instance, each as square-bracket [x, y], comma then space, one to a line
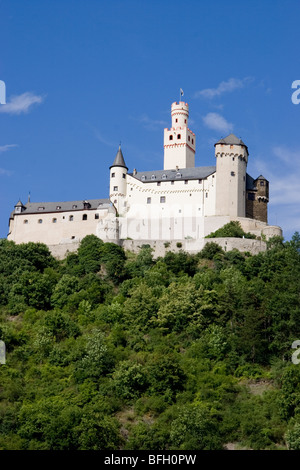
[19, 104]
[217, 122]
[223, 87]
[151, 124]
[5, 148]
[4, 172]
[284, 177]
[104, 141]
[285, 188]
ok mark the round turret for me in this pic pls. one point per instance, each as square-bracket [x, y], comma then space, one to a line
[180, 114]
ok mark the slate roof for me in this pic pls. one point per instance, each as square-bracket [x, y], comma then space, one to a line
[44, 207]
[231, 139]
[174, 175]
[119, 160]
[250, 186]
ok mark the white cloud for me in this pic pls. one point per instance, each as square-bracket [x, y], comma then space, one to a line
[284, 177]
[5, 148]
[217, 122]
[224, 87]
[104, 141]
[151, 124]
[5, 172]
[19, 104]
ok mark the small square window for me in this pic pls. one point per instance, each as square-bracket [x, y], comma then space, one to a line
[40, 221]
[113, 175]
[96, 216]
[158, 183]
[148, 200]
[115, 188]
[162, 199]
[232, 173]
[185, 181]
[172, 182]
[25, 221]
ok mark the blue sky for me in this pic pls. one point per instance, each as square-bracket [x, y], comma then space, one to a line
[83, 75]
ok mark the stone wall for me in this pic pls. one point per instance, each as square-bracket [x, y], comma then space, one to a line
[160, 248]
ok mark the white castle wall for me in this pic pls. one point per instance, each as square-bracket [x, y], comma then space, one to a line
[26, 227]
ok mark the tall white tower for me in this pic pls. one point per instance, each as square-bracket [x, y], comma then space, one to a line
[179, 140]
[118, 181]
[231, 166]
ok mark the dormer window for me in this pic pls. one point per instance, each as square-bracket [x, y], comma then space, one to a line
[58, 207]
[164, 176]
[153, 177]
[41, 208]
[74, 206]
[86, 205]
[178, 175]
[143, 178]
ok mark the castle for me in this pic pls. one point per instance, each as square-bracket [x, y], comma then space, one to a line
[176, 206]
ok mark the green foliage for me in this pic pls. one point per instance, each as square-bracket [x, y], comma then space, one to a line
[232, 229]
[195, 428]
[107, 350]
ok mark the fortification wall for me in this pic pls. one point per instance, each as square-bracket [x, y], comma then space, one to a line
[160, 247]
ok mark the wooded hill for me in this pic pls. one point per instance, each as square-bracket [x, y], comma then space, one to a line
[110, 350]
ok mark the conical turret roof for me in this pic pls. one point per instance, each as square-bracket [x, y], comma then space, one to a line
[119, 160]
[231, 139]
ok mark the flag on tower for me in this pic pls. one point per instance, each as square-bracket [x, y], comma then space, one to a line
[181, 92]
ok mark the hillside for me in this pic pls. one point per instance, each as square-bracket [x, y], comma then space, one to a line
[110, 350]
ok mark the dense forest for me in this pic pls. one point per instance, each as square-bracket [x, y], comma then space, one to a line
[110, 350]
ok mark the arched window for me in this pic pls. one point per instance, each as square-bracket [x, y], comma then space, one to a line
[84, 217]
[178, 136]
[40, 221]
[170, 137]
[54, 221]
[71, 218]
[25, 221]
